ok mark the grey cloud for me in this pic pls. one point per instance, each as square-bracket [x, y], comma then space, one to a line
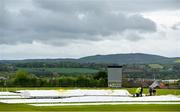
[107, 5]
[176, 26]
[4, 15]
[71, 6]
[63, 23]
[132, 36]
[91, 24]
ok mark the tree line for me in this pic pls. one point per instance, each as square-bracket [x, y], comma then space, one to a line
[169, 71]
[24, 79]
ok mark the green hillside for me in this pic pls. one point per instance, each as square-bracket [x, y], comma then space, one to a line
[137, 58]
[129, 58]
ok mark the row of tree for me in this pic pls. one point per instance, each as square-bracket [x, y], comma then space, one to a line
[24, 79]
[167, 71]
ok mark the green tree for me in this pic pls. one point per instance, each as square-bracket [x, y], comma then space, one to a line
[83, 81]
[21, 78]
[100, 75]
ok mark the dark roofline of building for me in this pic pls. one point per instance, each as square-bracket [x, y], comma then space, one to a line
[115, 66]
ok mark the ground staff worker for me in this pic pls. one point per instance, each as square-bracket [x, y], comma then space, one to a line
[138, 90]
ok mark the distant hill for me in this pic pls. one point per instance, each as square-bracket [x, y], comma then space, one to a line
[127, 58]
[131, 58]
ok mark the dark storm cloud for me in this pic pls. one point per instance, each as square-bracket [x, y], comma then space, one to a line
[50, 21]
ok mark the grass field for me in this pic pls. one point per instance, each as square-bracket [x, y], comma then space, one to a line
[131, 90]
[62, 70]
[159, 91]
[141, 107]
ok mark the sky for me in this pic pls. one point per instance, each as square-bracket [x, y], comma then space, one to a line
[32, 29]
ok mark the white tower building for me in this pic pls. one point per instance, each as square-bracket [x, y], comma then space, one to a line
[115, 76]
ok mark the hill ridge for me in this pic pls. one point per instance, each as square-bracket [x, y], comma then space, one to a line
[125, 58]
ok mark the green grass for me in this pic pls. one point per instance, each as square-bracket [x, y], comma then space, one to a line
[63, 70]
[159, 91]
[177, 61]
[131, 90]
[139, 107]
[156, 66]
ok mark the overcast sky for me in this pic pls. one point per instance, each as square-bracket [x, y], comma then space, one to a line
[77, 28]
